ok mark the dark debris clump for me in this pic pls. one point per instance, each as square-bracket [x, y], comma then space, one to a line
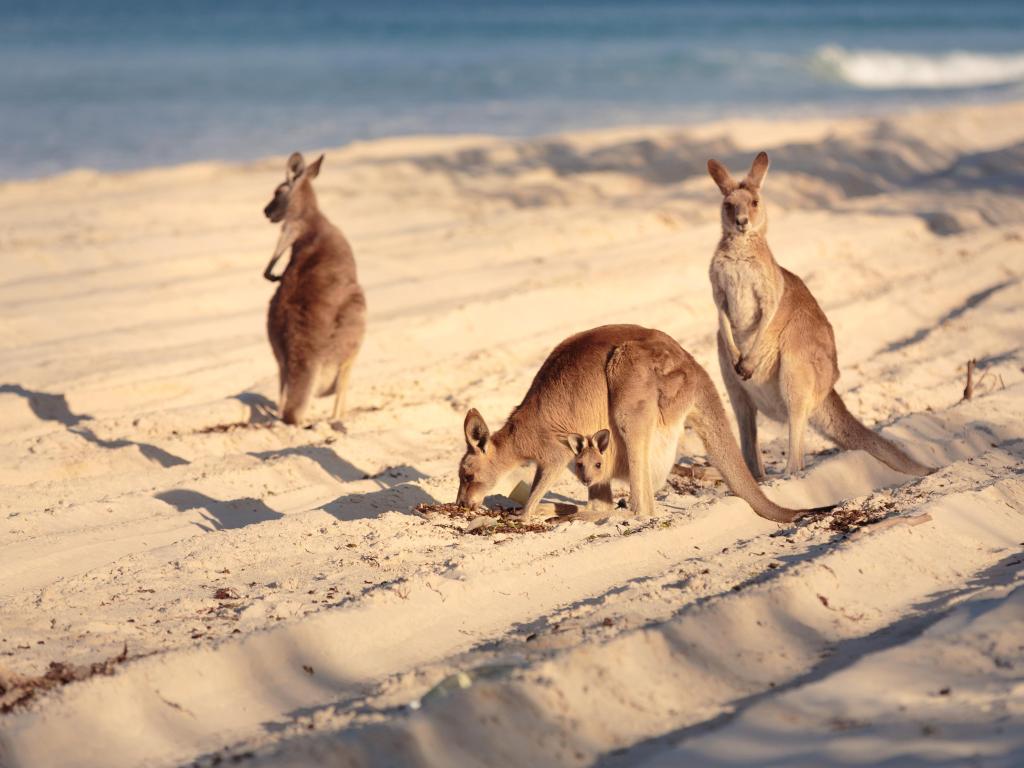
[847, 519]
[18, 690]
[495, 520]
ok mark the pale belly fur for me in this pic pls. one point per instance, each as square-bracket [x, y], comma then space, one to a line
[745, 315]
[767, 398]
[663, 452]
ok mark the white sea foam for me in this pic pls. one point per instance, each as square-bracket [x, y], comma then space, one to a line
[881, 70]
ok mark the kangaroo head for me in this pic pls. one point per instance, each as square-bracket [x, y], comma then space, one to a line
[479, 469]
[293, 200]
[742, 209]
[588, 464]
[293, 197]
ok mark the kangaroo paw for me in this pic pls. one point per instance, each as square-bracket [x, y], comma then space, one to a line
[743, 369]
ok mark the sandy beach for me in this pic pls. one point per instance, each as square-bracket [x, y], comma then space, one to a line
[282, 603]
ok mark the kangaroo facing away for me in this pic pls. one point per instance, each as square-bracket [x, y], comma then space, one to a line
[317, 316]
[776, 348]
[642, 386]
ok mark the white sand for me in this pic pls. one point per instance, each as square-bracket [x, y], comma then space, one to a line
[133, 334]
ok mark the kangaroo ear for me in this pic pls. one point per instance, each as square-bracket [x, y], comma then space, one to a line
[576, 443]
[294, 167]
[314, 168]
[600, 439]
[722, 177]
[476, 430]
[758, 170]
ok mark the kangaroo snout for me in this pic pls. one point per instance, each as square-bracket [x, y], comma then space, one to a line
[274, 212]
[466, 500]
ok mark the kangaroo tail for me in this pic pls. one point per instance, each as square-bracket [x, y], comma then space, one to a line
[839, 425]
[709, 420]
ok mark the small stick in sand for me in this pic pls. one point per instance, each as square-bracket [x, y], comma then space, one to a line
[976, 386]
[969, 389]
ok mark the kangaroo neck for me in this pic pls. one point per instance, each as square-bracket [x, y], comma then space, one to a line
[750, 250]
[507, 451]
[753, 245]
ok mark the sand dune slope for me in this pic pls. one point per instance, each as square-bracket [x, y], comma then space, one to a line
[280, 599]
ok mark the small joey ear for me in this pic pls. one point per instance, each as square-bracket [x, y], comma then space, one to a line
[476, 430]
[758, 170]
[722, 177]
[314, 168]
[576, 443]
[294, 167]
[600, 439]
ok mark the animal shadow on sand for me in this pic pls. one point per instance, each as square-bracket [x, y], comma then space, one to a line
[397, 493]
[262, 410]
[329, 461]
[219, 515]
[54, 407]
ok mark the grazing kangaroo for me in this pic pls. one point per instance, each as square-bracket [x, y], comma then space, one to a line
[776, 348]
[317, 317]
[641, 383]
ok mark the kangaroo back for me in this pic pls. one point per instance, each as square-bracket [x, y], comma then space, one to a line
[709, 421]
[837, 423]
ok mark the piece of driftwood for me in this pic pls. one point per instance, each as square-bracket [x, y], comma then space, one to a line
[704, 473]
[891, 522]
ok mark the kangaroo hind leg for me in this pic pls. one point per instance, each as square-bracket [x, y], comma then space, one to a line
[798, 396]
[341, 390]
[298, 391]
[633, 408]
[746, 413]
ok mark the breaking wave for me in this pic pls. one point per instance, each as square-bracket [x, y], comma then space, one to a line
[882, 70]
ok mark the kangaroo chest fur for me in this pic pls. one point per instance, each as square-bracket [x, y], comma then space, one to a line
[750, 290]
[751, 287]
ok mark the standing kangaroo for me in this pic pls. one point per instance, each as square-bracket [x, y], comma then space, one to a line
[317, 317]
[640, 384]
[775, 345]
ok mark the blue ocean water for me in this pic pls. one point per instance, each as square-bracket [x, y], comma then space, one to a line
[113, 85]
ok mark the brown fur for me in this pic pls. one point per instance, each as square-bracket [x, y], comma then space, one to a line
[642, 386]
[317, 317]
[776, 348]
[589, 464]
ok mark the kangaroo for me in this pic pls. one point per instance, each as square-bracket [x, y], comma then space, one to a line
[589, 463]
[317, 317]
[643, 385]
[776, 348]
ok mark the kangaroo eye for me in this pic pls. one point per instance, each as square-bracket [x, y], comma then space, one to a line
[469, 478]
[598, 465]
[753, 203]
